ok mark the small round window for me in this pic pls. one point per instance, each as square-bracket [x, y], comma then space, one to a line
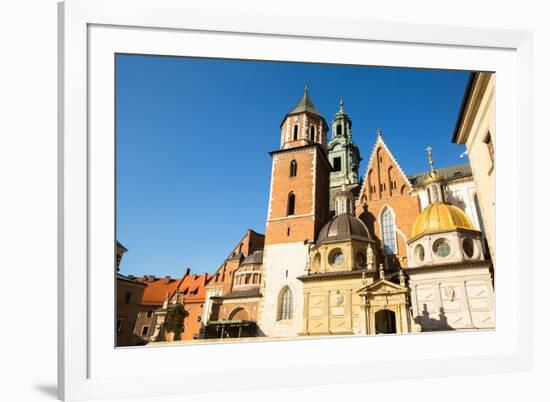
[419, 252]
[442, 248]
[468, 247]
[336, 257]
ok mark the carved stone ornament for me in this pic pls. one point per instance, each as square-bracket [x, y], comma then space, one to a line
[337, 298]
[449, 292]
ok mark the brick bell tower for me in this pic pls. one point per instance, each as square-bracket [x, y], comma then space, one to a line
[298, 208]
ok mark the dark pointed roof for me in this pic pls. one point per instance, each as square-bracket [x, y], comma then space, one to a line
[305, 105]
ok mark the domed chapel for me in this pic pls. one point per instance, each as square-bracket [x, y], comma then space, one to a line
[344, 254]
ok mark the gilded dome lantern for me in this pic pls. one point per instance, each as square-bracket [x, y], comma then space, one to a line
[442, 233]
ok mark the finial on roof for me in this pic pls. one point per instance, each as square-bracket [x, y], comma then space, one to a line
[341, 103]
[430, 159]
[381, 271]
[379, 132]
[401, 277]
[305, 89]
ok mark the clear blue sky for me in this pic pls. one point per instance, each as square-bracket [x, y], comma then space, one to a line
[193, 137]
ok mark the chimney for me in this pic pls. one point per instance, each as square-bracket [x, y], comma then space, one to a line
[167, 279]
[187, 271]
[151, 278]
[131, 277]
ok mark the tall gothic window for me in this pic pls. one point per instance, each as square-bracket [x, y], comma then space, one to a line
[295, 135]
[285, 305]
[312, 133]
[388, 232]
[293, 168]
[291, 203]
[339, 129]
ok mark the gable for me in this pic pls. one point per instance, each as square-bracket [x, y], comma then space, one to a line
[384, 177]
[382, 286]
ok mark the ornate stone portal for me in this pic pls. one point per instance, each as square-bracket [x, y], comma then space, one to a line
[385, 308]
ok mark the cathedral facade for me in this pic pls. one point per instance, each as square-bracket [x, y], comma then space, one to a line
[344, 254]
[387, 253]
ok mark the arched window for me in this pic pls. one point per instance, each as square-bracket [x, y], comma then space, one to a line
[291, 203]
[293, 168]
[285, 304]
[388, 232]
[339, 129]
[312, 133]
[435, 193]
[295, 135]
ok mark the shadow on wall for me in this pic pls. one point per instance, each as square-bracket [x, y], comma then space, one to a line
[458, 201]
[428, 323]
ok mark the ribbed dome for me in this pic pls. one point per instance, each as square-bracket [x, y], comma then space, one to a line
[343, 227]
[440, 217]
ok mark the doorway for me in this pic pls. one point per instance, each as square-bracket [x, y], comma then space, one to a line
[385, 322]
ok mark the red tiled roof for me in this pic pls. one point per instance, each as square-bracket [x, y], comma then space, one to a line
[156, 290]
[191, 286]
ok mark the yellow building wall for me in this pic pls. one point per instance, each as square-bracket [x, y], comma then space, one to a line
[332, 306]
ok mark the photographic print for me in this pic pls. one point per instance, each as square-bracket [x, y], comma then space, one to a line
[260, 200]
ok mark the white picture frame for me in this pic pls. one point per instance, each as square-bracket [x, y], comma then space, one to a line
[90, 32]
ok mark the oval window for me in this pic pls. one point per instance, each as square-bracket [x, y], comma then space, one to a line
[336, 257]
[419, 252]
[317, 260]
[442, 248]
[468, 247]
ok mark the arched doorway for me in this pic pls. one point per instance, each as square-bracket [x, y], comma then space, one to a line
[385, 322]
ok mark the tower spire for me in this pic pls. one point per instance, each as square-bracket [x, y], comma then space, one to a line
[430, 159]
[341, 103]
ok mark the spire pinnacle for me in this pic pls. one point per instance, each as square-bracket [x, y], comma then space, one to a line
[305, 104]
[379, 132]
[341, 103]
[430, 159]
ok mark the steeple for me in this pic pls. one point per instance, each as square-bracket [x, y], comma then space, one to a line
[303, 125]
[305, 105]
[343, 153]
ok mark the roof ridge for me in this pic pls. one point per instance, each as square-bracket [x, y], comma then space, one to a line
[444, 167]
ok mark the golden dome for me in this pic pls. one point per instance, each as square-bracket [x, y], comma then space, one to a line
[440, 217]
